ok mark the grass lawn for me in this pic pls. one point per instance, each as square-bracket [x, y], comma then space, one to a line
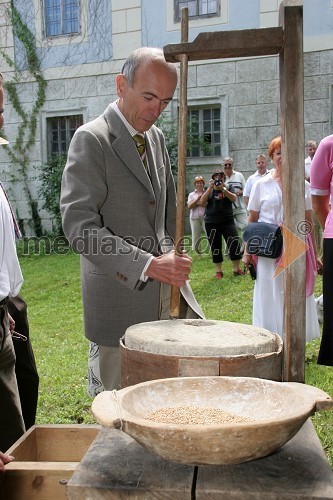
[52, 292]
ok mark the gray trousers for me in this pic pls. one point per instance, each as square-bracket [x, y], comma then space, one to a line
[11, 420]
[104, 362]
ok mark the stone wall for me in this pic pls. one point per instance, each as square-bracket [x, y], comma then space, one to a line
[247, 90]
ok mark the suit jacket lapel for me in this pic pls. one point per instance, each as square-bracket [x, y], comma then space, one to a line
[152, 161]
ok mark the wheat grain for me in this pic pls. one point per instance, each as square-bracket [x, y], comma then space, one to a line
[194, 415]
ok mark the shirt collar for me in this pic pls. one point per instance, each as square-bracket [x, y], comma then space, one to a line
[129, 127]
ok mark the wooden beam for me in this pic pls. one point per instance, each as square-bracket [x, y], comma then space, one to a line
[292, 125]
[224, 44]
[182, 161]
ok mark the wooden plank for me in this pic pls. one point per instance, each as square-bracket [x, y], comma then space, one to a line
[25, 448]
[292, 125]
[117, 467]
[298, 470]
[54, 443]
[182, 162]
[134, 368]
[267, 366]
[224, 44]
[36, 481]
[64, 443]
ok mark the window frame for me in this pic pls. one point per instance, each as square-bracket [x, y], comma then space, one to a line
[62, 34]
[68, 132]
[201, 22]
[177, 17]
[57, 113]
[201, 130]
[220, 101]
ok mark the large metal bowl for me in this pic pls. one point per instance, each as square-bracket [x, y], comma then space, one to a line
[279, 409]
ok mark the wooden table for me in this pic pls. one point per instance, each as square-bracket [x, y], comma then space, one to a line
[116, 466]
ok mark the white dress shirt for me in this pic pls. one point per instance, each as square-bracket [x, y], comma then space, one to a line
[11, 278]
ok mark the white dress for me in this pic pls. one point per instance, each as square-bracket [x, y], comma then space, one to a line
[268, 294]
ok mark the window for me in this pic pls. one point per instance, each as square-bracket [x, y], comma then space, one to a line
[205, 132]
[61, 17]
[197, 8]
[60, 130]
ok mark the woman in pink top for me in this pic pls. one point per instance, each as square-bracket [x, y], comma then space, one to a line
[197, 211]
[321, 180]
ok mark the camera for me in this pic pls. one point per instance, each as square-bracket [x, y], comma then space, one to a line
[217, 183]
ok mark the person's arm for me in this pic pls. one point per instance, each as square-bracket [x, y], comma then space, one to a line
[193, 199]
[320, 179]
[320, 205]
[231, 196]
[205, 196]
[253, 216]
[247, 190]
[247, 258]
[309, 218]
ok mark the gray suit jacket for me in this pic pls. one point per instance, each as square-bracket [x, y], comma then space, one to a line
[116, 218]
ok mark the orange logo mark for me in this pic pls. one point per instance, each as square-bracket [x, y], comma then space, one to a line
[293, 248]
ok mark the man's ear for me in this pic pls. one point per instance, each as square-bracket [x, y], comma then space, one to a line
[121, 84]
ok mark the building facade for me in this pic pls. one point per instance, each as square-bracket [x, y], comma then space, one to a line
[73, 49]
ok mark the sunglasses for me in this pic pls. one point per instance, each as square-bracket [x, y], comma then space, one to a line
[228, 164]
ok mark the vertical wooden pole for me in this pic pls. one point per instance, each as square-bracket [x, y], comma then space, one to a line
[182, 156]
[292, 125]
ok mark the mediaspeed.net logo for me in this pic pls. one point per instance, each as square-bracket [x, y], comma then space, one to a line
[293, 246]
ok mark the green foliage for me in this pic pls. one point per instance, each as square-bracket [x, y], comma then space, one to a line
[53, 293]
[50, 188]
[26, 135]
[170, 132]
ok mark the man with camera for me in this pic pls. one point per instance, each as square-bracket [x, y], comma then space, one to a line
[219, 222]
[236, 182]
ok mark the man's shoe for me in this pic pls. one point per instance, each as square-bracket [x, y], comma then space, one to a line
[219, 275]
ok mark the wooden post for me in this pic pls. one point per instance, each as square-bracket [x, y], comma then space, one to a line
[292, 125]
[287, 41]
[182, 157]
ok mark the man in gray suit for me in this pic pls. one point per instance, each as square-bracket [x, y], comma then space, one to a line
[119, 207]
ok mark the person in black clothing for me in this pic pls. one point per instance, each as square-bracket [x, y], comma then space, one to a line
[25, 366]
[219, 221]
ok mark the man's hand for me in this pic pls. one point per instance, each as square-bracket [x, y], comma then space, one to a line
[170, 268]
[4, 459]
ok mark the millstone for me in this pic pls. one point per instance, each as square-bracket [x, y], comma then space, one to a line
[197, 337]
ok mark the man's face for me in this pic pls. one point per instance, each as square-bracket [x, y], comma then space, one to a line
[311, 151]
[1, 107]
[153, 89]
[261, 165]
[228, 168]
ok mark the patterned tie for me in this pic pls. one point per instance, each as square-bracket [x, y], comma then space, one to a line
[141, 147]
[17, 229]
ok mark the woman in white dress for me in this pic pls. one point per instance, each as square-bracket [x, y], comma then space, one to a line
[265, 205]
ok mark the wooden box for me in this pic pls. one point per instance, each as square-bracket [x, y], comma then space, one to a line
[45, 458]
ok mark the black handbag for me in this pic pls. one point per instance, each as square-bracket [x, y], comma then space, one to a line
[263, 239]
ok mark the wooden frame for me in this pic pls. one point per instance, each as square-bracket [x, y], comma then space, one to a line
[286, 41]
